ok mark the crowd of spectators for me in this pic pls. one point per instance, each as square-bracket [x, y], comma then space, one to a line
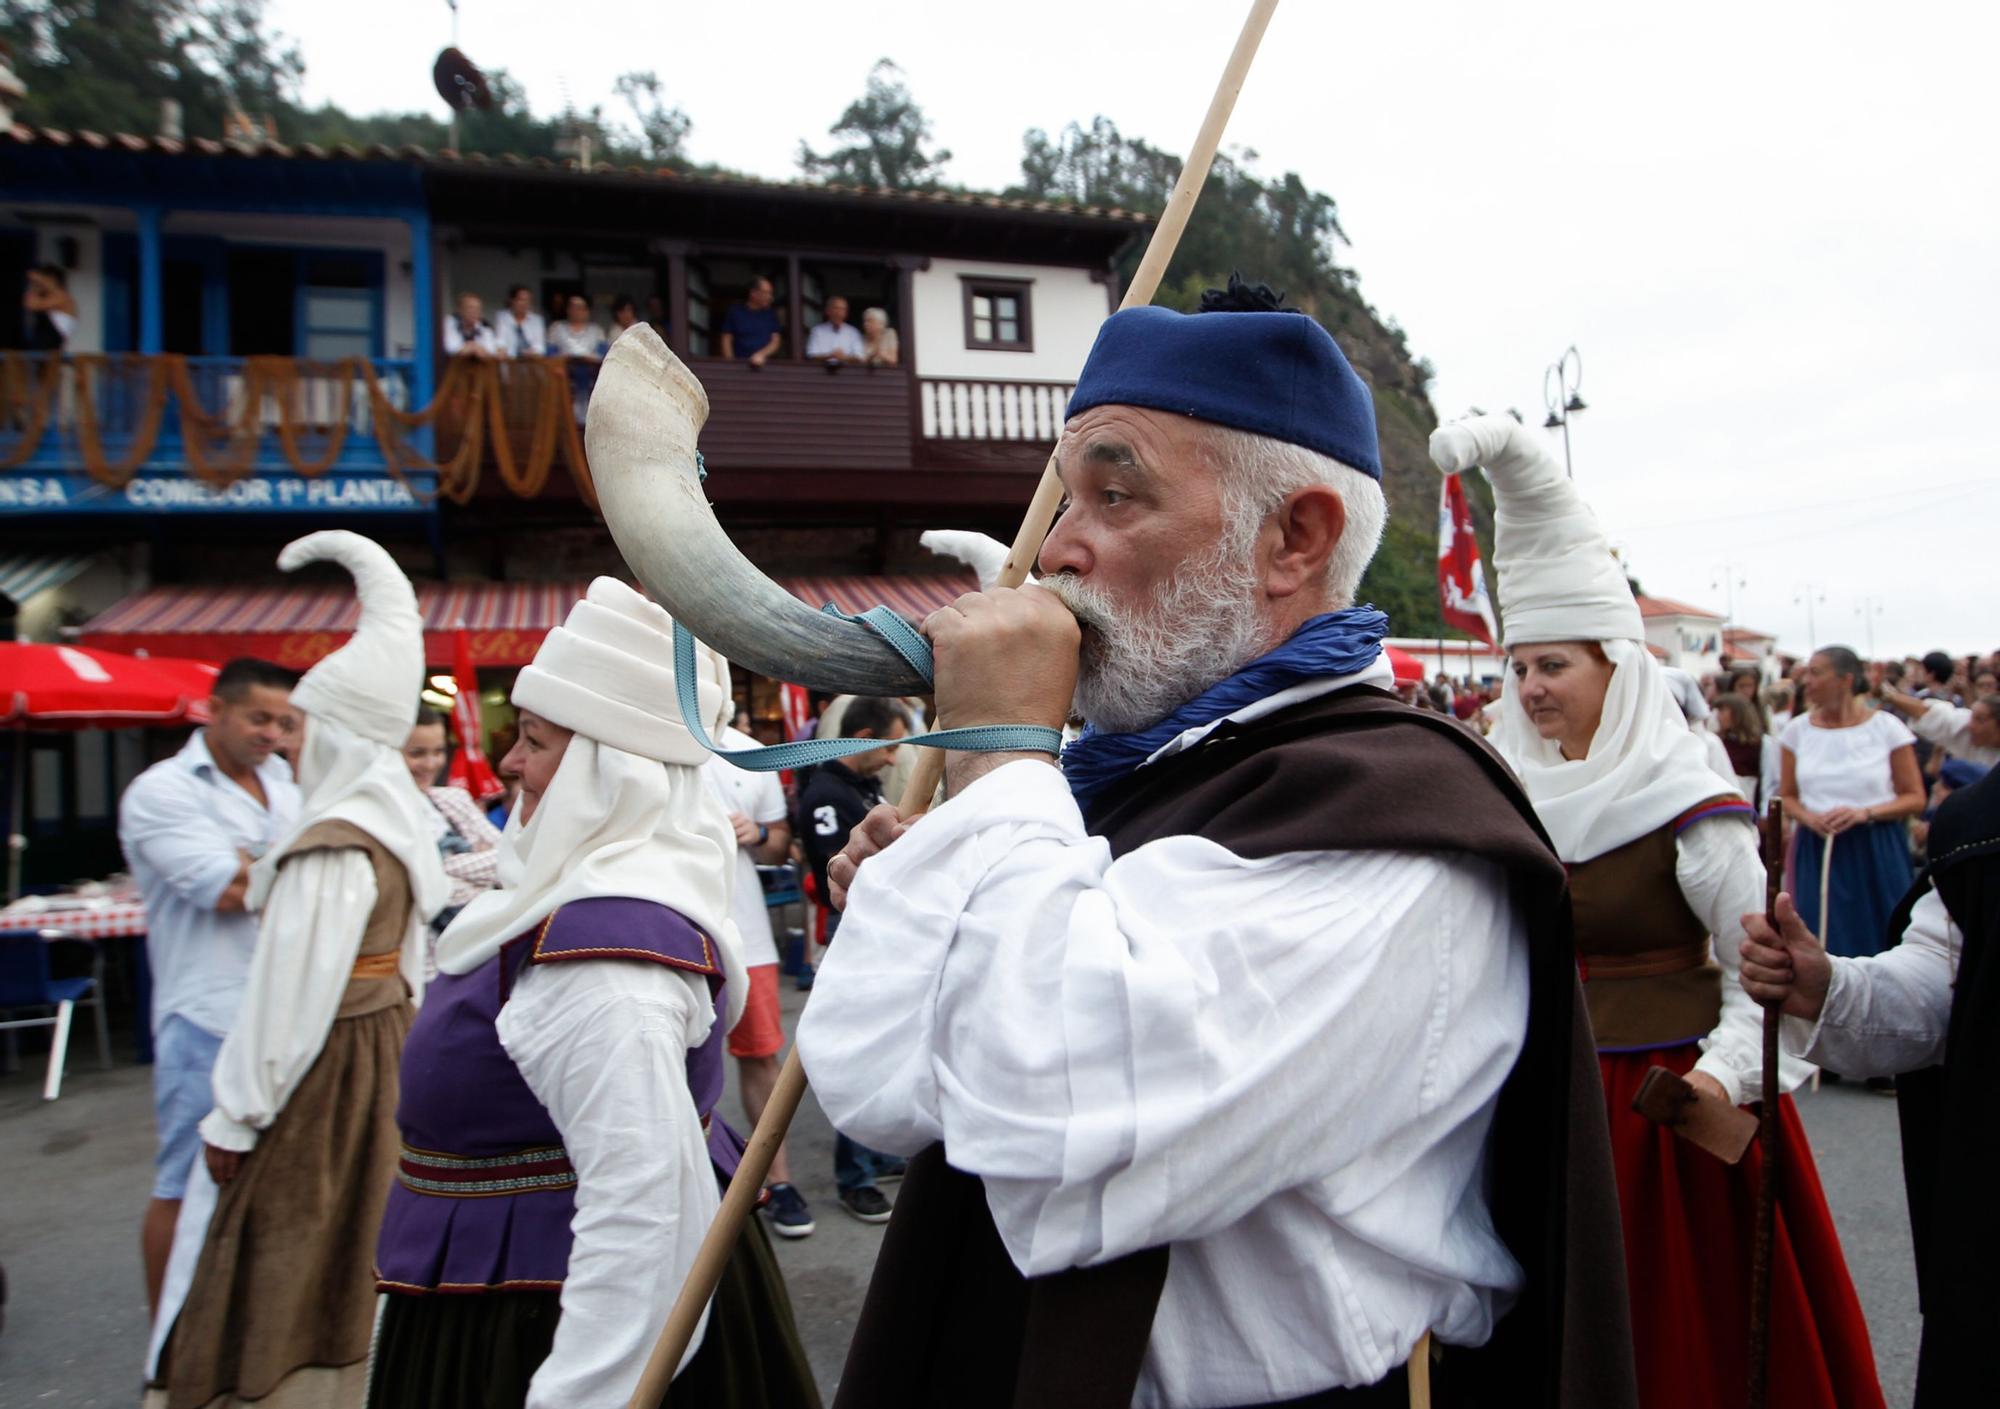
[1948, 706]
[751, 330]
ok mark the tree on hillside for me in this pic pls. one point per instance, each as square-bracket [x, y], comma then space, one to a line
[106, 64]
[885, 140]
[663, 127]
[1280, 231]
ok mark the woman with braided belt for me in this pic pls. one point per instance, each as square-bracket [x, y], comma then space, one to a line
[1663, 865]
[561, 1156]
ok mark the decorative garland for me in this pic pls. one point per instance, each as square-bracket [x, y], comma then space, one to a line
[521, 409]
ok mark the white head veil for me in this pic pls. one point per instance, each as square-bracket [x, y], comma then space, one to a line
[1559, 582]
[359, 704]
[627, 813]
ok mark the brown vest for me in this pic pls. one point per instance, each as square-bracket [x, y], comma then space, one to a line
[1647, 974]
[387, 922]
[948, 1320]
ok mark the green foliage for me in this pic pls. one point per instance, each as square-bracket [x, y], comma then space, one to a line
[1281, 232]
[663, 127]
[105, 65]
[885, 140]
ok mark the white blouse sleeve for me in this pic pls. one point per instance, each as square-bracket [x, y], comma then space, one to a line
[1888, 1013]
[1722, 878]
[1141, 1051]
[603, 1044]
[308, 936]
[1945, 724]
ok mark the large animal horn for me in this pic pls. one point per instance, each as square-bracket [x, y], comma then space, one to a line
[640, 436]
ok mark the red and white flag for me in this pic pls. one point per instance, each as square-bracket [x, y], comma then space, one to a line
[797, 705]
[1462, 596]
[469, 768]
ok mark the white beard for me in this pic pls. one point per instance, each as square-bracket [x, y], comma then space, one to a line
[1137, 667]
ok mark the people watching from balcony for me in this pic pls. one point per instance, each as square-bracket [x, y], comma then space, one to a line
[468, 334]
[624, 315]
[879, 345]
[656, 314]
[836, 340]
[48, 312]
[750, 329]
[577, 336]
[583, 343]
[522, 331]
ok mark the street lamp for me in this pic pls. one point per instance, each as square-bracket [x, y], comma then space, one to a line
[1870, 608]
[1727, 579]
[1560, 385]
[1808, 593]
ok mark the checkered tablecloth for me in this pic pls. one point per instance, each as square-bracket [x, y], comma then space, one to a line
[96, 919]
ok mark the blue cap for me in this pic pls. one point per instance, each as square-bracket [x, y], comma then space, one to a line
[1278, 374]
[1960, 773]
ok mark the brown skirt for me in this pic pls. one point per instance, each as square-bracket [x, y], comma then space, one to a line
[286, 1276]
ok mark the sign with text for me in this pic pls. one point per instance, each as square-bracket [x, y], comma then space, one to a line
[74, 492]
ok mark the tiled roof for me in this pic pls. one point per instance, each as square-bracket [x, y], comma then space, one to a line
[446, 158]
[1662, 606]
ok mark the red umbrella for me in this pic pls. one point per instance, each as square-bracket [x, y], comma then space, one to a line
[195, 677]
[72, 687]
[1408, 669]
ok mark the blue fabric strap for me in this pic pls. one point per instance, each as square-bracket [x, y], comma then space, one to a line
[994, 738]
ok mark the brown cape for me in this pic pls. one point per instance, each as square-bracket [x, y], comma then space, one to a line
[948, 1319]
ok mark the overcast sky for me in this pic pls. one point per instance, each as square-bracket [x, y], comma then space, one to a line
[1770, 228]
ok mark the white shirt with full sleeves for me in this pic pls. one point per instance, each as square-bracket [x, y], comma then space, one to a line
[1949, 726]
[1721, 877]
[1286, 1068]
[1888, 1013]
[603, 1044]
[307, 942]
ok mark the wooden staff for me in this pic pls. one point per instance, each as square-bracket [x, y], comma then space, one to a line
[1767, 1135]
[748, 1182]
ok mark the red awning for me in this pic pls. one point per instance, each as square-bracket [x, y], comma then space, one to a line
[915, 597]
[296, 626]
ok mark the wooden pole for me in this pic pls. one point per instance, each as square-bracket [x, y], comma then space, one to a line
[1767, 1136]
[748, 1182]
[929, 772]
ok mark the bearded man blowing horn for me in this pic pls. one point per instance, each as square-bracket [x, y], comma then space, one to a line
[1243, 1051]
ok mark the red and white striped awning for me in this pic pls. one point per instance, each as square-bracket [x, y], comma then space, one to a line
[296, 626]
[915, 597]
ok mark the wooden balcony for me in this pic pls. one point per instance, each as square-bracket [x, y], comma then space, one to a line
[277, 434]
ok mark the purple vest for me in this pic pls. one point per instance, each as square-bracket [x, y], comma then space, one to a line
[484, 1191]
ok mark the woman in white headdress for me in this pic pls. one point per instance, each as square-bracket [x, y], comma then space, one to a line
[269, 1294]
[1663, 865]
[562, 1157]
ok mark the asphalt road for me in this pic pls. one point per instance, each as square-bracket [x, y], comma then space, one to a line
[74, 1176]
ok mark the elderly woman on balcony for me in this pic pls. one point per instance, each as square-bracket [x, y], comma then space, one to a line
[582, 343]
[879, 344]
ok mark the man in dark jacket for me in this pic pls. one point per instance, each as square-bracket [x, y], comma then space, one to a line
[835, 798]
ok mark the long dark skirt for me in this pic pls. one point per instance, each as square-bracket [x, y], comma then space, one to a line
[1871, 870]
[480, 1352]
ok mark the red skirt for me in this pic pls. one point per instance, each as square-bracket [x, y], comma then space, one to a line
[1690, 1227]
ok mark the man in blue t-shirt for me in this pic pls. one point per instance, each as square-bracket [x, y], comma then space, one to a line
[750, 328]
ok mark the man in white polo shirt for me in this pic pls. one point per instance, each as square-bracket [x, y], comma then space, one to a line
[190, 826]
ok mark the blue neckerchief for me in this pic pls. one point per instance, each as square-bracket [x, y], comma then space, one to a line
[1338, 643]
